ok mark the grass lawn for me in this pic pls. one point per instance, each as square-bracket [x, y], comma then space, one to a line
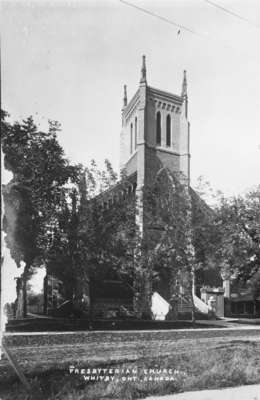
[187, 360]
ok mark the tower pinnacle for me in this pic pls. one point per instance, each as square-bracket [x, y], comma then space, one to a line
[184, 93]
[184, 85]
[143, 72]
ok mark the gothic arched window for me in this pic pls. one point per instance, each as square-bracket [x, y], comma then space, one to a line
[131, 138]
[168, 130]
[135, 133]
[158, 128]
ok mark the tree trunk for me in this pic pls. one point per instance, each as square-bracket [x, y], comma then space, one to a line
[173, 312]
[193, 316]
[24, 289]
[193, 292]
[19, 299]
[147, 296]
[45, 295]
[143, 295]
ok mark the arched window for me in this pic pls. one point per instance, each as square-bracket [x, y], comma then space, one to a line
[158, 128]
[131, 138]
[168, 130]
[135, 133]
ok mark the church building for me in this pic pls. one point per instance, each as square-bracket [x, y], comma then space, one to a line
[155, 137]
[154, 140]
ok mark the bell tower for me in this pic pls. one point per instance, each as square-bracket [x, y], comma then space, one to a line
[155, 132]
[154, 136]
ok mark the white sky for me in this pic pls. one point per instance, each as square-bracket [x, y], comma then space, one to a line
[69, 60]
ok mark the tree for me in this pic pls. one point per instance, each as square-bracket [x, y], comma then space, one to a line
[168, 237]
[232, 239]
[92, 233]
[62, 258]
[254, 284]
[169, 248]
[107, 225]
[239, 222]
[238, 252]
[32, 198]
[206, 239]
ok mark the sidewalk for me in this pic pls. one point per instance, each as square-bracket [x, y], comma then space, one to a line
[232, 323]
[249, 392]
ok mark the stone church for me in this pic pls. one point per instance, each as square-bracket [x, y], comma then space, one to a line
[154, 139]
